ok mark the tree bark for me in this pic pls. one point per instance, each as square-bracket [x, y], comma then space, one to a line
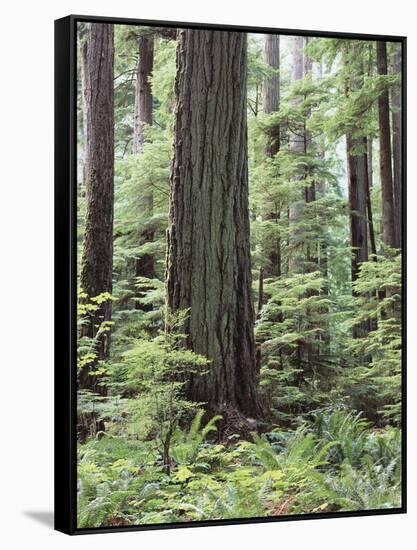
[208, 262]
[388, 221]
[396, 146]
[97, 255]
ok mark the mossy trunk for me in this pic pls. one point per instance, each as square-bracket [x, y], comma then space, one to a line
[97, 254]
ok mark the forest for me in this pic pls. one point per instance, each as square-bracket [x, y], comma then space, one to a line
[239, 236]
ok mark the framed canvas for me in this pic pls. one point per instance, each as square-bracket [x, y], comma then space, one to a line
[230, 282]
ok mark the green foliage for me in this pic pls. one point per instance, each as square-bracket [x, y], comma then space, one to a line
[331, 394]
[376, 385]
[185, 446]
[121, 480]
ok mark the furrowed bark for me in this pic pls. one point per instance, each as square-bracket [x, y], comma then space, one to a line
[208, 261]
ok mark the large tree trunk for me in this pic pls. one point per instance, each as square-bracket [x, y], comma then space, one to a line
[208, 264]
[388, 223]
[144, 265]
[97, 255]
[396, 146]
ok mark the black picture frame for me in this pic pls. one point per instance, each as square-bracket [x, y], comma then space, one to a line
[65, 175]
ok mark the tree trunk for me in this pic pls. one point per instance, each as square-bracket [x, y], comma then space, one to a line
[144, 265]
[388, 222]
[143, 92]
[208, 264]
[97, 255]
[357, 185]
[271, 98]
[357, 165]
[271, 94]
[297, 144]
[371, 229]
[396, 146]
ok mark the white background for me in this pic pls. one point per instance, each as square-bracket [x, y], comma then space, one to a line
[26, 232]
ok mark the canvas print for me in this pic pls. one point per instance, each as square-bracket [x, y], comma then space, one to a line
[239, 237]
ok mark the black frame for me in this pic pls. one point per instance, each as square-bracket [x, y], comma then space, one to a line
[66, 272]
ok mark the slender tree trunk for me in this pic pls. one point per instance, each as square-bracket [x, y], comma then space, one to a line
[321, 190]
[388, 220]
[208, 263]
[357, 190]
[143, 92]
[357, 173]
[357, 186]
[371, 230]
[97, 255]
[145, 264]
[271, 85]
[297, 144]
[396, 146]
[271, 98]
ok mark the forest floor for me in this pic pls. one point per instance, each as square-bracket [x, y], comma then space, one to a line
[336, 463]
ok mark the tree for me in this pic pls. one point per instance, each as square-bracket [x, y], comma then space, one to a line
[271, 97]
[97, 253]
[371, 228]
[388, 221]
[357, 164]
[396, 144]
[144, 264]
[357, 169]
[297, 145]
[143, 91]
[271, 93]
[208, 265]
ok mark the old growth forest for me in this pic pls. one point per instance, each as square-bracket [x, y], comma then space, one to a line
[239, 212]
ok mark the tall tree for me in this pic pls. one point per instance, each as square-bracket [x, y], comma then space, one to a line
[371, 228]
[388, 220]
[145, 264]
[97, 254]
[143, 91]
[271, 96]
[208, 264]
[271, 90]
[297, 145]
[357, 175]
[396, 143]
[357, 164]
[357, 171]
